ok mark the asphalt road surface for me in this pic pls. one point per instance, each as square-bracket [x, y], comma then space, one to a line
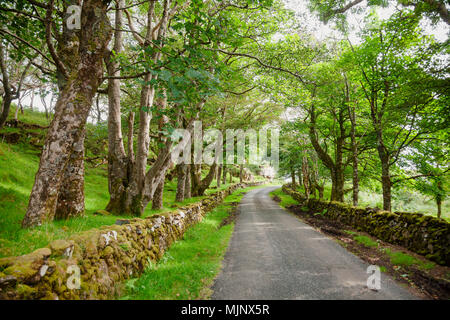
[273, 255]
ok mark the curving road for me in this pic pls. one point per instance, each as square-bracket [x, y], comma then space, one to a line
[273, 255]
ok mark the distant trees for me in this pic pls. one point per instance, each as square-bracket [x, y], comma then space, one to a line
[357, 101]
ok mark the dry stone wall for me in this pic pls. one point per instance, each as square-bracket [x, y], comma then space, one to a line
[90, 264]
[425, 235]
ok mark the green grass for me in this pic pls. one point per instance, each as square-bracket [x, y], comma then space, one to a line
[399, 258]
[189, 267]
[18, 166]
[286, 200]
[29, 116]
[365, 240]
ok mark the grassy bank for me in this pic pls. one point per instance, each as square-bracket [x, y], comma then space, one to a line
[189, 267]
[18, 166]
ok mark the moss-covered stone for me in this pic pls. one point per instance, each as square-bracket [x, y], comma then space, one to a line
[104, 256]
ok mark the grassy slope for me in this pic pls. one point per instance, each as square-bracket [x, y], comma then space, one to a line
[18, 166]
[189, 267]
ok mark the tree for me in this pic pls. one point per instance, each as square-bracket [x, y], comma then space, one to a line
[79, 86]
[391, 62]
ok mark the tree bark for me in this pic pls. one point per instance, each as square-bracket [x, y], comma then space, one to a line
[181, 182]
[305, 174]
[201, 185]
[384, 156]
[336, 166]
[71, 112]
[224, 181]
[118, 162]
[354, 148]
[299, 173]
[7, 95]
[219, 175]
[70, 201]
[157, 200]
[187, 184]
[143, 185]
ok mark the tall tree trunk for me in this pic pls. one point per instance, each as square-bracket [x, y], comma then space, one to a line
[321, 189]
[219, 175]
[118, 162]
[202, 185]
[439, 198]
[7, 96]
[305, 174]
[335, 167]
[386, 184]
[241, 173]
[383, 153]
[187, 184]
[385, 168]
[136, 192]
[293, 177]
[224, 181]
[71, 112]
[181, 182]
[70, 201]
[157, 200]
[19, 106]
[299, 173]
[339, 165]
[354, 147]
[143, 185]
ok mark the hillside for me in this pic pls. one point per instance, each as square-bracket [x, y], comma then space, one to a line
[19, 162]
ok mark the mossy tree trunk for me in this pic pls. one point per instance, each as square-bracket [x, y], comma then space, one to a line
[70, 201]
[71, 111]
[157, 201]
[219, 176]
[181, 182]
[305, 174]
[335, 166]
[187, 182]
[299, 174]
[293, 178]
[224, 181]
[118, 161]
[143, 184]
[201, 185]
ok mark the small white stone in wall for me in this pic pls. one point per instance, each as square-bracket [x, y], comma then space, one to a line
[68, 252]
[43, 270]
[109, 235]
